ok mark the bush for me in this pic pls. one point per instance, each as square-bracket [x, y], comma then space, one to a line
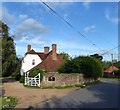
[17, 77]
[35, 72]
[22, 79]
[89, 66]
[117, 73]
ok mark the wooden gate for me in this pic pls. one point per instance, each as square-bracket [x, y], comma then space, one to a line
[32, 81]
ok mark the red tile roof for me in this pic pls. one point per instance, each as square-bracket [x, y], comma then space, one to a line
[111, 69]
[40, 54]
[51, 65]
[48, 63]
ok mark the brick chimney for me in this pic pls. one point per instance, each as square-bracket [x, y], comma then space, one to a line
[46, 50]
[54, 51]
[28, 47]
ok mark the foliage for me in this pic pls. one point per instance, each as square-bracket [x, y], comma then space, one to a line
[66, 56]
[71, 66]
[10, 61]
[8, 101]
[35, 72]
[89, 66]
[3, 29]
[117, 64]
[106, 64]
[22, 79]
[97, 56]
[18, 76]
[18, 67]
[117, 73]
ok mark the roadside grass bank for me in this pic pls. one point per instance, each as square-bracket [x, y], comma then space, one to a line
[112, 78]
[7, 103]
[64, 87]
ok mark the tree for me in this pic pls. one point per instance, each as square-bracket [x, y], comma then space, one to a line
[97, 56]
[10, 61]
[106, 64]
[66, 56]
[4, 29]
[117, 64]
[70, 66]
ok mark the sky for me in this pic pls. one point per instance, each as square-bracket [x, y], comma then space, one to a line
[33, 23]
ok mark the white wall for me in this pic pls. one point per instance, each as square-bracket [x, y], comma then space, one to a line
[27, 62]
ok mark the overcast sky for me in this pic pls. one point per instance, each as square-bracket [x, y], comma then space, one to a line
[33, 23]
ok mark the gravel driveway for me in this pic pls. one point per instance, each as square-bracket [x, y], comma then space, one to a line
[30, 97]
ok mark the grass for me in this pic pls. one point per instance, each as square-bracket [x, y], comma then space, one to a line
[63, 87]
[113, 78]
[7, 102]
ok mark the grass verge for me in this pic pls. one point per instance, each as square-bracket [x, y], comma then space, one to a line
[63, 87]
[113, 78]
[7, 103]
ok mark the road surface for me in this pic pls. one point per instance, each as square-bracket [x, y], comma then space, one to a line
[103, 95]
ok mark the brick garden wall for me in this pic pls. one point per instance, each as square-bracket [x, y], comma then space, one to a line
[63, 79]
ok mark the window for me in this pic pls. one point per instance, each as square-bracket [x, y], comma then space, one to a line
[33, 62]
[51, 78]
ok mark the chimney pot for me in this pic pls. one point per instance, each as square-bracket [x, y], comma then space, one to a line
[46, 50]
[28, 47]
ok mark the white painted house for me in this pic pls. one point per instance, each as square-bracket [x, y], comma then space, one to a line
[48, 61]
[29, 62]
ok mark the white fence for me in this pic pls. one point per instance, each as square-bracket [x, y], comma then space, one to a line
[32, 81]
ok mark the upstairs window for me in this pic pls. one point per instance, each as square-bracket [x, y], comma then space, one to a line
[33, 62]
[51, 78]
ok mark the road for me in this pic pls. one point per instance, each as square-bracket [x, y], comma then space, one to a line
[103, 95]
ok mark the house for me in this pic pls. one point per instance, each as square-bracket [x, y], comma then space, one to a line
[109, 71]
[48, 60]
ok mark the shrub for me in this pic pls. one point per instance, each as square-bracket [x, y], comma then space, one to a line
[117, 73]
[22, 79]
[35, 72]
[89, 66]
[17, 77]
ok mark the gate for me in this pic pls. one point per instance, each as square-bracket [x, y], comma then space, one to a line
[32, 81]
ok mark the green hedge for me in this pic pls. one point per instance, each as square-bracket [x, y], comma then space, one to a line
[89, 66]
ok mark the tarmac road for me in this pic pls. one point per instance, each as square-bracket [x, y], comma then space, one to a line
[103, 95]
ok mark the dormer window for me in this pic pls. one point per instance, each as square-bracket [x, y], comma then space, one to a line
[33, 62]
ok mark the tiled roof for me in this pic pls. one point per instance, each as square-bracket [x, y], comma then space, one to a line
[48, 63]
[111, 69]
[40, 54]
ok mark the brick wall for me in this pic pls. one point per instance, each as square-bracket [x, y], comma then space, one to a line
[62, 79]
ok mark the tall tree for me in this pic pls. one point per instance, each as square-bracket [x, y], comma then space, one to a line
[9, 57]
[97, 56]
